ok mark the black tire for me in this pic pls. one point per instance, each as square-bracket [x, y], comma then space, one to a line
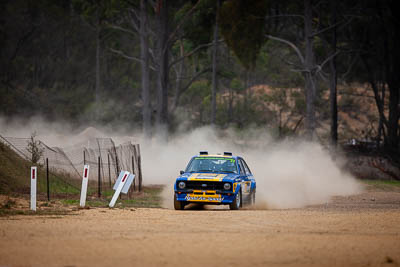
[178, 205]
[253, 198]
[237, 202]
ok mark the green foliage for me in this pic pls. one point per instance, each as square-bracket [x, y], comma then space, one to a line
[246, 113]
[242, 25]
[35, 149]
[199, 89]
[237, 85]
[276, 71]
[98, 11]
[198, 29]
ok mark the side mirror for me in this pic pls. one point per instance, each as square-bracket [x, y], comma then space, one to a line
[182, 172]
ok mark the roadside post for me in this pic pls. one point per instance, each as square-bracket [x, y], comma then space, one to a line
[109, 168]
[99, 177]
[122, 185]
[85, 179]
[133, 171]
[47, 179]
[33, 187]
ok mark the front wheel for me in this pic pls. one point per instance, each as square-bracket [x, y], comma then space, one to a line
[235, 205]
[178, 205]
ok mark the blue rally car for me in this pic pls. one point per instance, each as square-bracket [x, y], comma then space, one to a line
[215, 180]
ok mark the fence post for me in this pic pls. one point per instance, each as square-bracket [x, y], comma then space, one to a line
[109, 168]
[47, 178]
[116, 161]
[99, 178]
[140, 173]
[140, 169]
[133, 171]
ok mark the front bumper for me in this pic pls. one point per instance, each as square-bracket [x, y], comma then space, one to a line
[216, 197]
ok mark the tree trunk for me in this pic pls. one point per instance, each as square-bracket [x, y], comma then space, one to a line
[179, 76]
[214, 70]
[333, 84]
[392, 143]
[309, 74]
[230, 106]
[162, 67]
[144, 54]
[391, 43]
[381, 129]
[98, 40]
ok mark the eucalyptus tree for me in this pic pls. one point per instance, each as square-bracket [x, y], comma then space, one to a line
[44, 68]
[168, 31]
[242, 26]
[332, 17]
[96, 14]
[145, 67]
[200, 32]
[303, 44]
[214, 67]
[376, 34]
[132, 19]
[160, 25]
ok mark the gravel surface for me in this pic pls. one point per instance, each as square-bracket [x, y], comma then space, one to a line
[361, 230]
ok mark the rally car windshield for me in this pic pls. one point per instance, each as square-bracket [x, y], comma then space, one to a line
[210, 164]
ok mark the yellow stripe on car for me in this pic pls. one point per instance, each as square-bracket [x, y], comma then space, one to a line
[213, 177]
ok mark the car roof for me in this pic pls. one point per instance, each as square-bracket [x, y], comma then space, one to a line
[216, 156]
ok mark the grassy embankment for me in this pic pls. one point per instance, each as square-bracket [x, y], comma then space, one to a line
[15, 177]
[385, 185]
[64, 193]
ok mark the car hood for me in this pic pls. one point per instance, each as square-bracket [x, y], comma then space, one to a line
[217, 177]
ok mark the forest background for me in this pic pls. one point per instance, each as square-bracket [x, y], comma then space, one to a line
[326, 70]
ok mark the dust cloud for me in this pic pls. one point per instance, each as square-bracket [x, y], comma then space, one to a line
[289, 173]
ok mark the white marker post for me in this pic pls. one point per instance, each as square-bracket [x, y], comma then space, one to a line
[85, 179]
[33, 187]
[123, 183]
[128, 183]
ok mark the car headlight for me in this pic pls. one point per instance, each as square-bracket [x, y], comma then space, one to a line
[182, 185]
[227, 186]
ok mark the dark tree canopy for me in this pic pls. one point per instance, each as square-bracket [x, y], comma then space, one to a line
[133, 61]
[242, 26]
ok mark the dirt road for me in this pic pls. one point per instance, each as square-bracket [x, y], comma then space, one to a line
[361, 230]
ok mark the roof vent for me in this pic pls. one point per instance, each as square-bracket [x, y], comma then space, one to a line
[203, 152]
[227, 153]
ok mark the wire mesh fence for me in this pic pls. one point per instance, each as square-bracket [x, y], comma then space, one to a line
[65, 165]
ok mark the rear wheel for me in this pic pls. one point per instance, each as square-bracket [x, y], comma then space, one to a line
[253, 198]
[178, 205]
[235, 205]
